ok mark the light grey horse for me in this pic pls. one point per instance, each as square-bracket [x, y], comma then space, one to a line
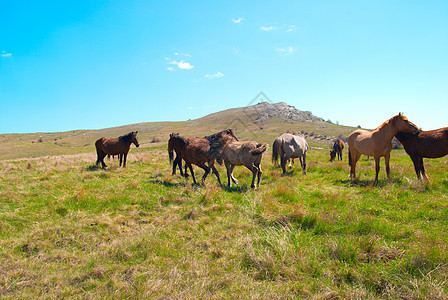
[290, 146]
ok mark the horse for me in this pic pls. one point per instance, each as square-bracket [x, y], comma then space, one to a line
[288, 146]
[178, 160]
[193, 151]
[429, 144]
[377, 143]
[338, 146]
[115, 146]
[236, 153]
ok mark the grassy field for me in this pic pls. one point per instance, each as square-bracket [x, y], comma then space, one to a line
[70, 230]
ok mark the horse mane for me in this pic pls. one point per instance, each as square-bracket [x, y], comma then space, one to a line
[400, 115]
[183, 140]
[126, 137]
[220, 134]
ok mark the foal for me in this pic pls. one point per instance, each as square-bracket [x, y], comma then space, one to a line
[236, 153]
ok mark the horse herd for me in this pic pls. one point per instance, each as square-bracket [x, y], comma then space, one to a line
[225, 148]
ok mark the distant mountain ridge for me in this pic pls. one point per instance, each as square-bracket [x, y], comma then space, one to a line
[263, 121]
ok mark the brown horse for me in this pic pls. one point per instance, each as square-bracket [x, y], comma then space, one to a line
[193, 151]
[338, 146]
[115, 146]
[178, 160]
[429, 144]
[236, 153]
[377, 143]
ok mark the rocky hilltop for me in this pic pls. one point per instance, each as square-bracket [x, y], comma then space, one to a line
[280, 111]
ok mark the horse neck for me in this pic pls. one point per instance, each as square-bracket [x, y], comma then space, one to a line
[387, 131]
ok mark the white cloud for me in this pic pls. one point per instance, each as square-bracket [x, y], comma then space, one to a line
[183, 65]
[214, 76]
[291, 28]
[4, 54]
[268, 28]
[182, 54]
[238, 21]
[287, 51]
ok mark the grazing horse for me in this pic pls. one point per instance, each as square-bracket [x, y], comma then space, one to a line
[289, 146]
[338, 146]
[429, 144]
[193, 151]
[115, 146]
[377, 143]
[236, 153]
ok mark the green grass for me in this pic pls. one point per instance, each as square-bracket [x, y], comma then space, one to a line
[71, 230]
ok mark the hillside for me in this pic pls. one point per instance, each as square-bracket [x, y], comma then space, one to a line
[262, 122]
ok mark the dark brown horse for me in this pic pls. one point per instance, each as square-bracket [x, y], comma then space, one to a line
[178, 160]
[115, 146]
[338, 146]
[429, 144]
[193, 151]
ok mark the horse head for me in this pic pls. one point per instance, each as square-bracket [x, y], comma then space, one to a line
[402, 124]
[134, 139]
[332, 155]
[230, 133]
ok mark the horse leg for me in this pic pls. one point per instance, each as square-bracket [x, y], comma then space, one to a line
[176, 162]
[354, 155]
[254, 171]
[422, 169]
[386, 160]
[303, 163]
[377, 167]
[416, 161]
[214, 171]
[120, 157]
[125, 155]
[259, 174]
[283, 161]
[207, 170]
[192, 173]
[230, 168]
[228, 172]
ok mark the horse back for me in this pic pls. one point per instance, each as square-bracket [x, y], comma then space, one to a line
[430, 144]
[112, 146]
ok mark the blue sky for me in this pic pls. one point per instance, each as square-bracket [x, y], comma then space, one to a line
[67, 65]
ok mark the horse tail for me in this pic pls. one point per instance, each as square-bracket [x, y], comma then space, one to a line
[99, 148]
[275, 151]
[259, 150]
[349, 157]
[171, 156]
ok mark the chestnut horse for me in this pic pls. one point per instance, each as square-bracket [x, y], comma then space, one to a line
[115, 146]
[338, 146]
[236, 153]
[193, 151]
[289, 146]
[429, 144]
[377, 143]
